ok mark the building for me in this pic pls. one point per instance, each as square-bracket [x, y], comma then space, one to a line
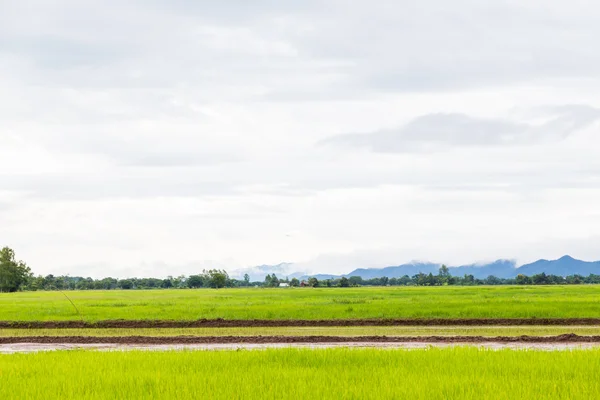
[284, 285]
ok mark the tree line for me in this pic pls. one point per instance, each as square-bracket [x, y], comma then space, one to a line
[220, 279]
[16, 275]
[443, 278]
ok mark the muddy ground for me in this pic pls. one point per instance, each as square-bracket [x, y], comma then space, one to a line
[9, 345]
[222, 323]
[567, 338]
[37, 347]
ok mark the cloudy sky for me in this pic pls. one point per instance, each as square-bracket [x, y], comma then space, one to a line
[155, 137]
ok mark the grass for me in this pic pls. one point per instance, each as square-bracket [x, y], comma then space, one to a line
[306, 303]
[317, 331]
[451, 373]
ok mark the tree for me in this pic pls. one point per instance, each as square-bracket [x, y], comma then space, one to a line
[444, 272]
[271, 280]
[444, 275]
[522, 280]
[13, 273]
[195, 281]
[355, 280]
[274, 281]
[313, 282]
[540, 279]
[420, 279]
[431, 280]
[126, 284]
[295, 282]
[180, 281]
[468, 280]
[344, 282]
[36, 283]
[405, 280]
[106, 283]
[492, 280]
[246, 280]
[216, 278]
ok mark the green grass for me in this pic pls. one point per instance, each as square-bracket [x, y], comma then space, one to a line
[318, 331]
[451, 373]
[305, 303]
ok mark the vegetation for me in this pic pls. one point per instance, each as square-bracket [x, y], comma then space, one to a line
[317, 331]
[15, 276]
[444, 278]
[13, 273]
[308, 303]
[452, 373]
[219, 279]
[271, 281]
[213, 278]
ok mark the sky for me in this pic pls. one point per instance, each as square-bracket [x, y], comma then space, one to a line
[162, 137]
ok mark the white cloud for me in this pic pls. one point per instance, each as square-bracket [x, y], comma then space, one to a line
[432, 131]
[155, 137]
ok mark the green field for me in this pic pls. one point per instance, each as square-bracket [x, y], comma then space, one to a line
[306, 303]
[317, 331]
[453, 373]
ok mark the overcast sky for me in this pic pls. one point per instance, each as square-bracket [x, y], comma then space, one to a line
[160, 137]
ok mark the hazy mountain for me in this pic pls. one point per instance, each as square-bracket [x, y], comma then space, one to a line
[501, 268]
[396, 272]
[564, 266]
[259, 272]
[320, 277]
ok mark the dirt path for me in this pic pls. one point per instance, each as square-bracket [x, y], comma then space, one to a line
[192, 340]
[37, 347]
[222, 323]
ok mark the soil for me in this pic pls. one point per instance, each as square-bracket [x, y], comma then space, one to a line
[223, 323]
[567, 338]
[36, 347]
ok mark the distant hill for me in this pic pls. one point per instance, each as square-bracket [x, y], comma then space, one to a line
[505, 269]
[259, 272]
[396, 272]
[501, 268]
[564, 266]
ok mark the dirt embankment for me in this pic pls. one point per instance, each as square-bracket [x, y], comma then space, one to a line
[223, 323]
[567, 338]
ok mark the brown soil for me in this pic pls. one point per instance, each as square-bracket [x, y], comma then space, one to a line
[222, 323]
[37, 347]
[567, 338]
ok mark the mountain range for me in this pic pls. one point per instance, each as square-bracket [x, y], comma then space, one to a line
[505, 269]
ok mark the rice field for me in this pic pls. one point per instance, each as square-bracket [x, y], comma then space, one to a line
[451, 373]
[300, 373]
[315, 331]
[307, 303]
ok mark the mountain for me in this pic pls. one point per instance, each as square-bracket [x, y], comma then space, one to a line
[395, 272]
[500, 269]
[320, 277]
[564, 266]
[504, 269]
[259, 272]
